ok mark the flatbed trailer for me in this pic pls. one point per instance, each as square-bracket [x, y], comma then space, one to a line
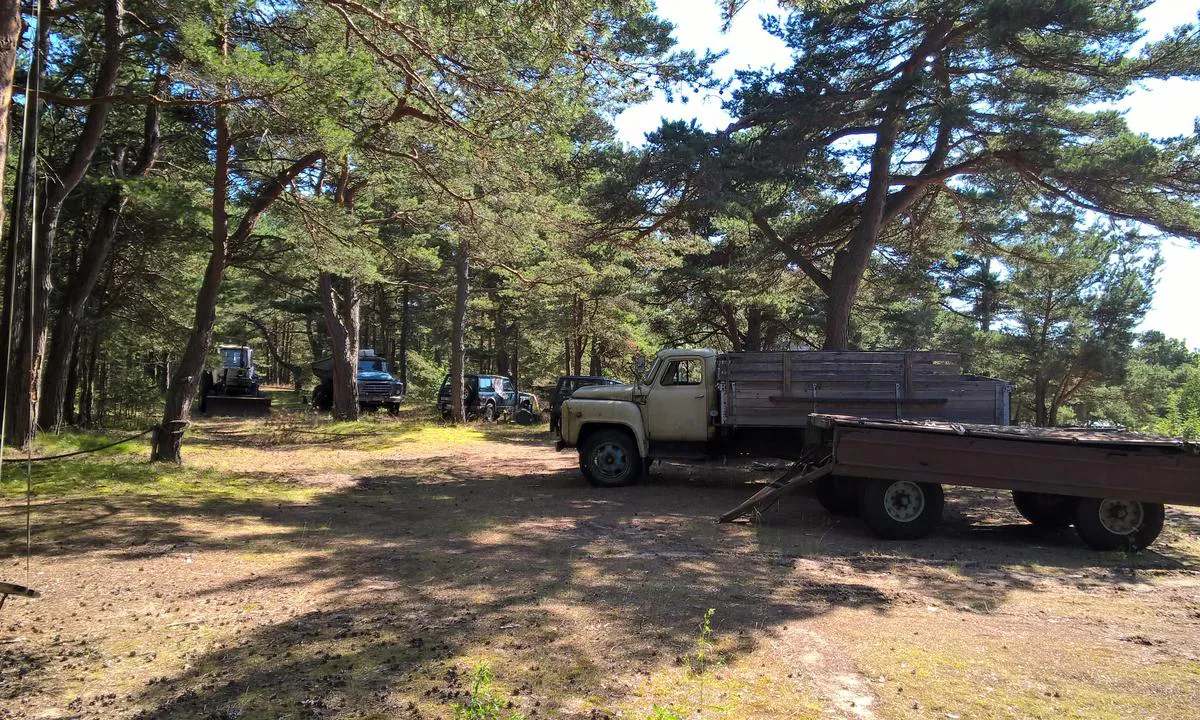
[878, 434]
[1111, 484]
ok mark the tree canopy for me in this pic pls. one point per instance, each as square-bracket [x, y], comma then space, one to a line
[440, 181]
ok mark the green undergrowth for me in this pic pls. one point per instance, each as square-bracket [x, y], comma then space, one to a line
[254, 443]
[138, 476]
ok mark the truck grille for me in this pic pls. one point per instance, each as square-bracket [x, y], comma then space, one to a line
[374, 388]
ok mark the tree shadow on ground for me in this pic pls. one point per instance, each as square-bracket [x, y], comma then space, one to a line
[439, 562]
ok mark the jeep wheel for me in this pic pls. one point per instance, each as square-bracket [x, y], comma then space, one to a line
[900, 509]
[1110, 524]
[610, 458]
[489, 413]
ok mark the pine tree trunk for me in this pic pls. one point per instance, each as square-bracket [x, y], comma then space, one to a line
[75, 296]
[167, 441]
[16, 255]
[168, 436]
[10, 39]
[458, 331]
[68, 407]
[402, 351]
[32, 355]
[594, 359]
[89, 379]
[516, 356]
[851, 263]
[340, 305]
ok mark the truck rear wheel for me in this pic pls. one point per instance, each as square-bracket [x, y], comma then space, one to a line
[900, 509]
[489, 413]
[838, 495]
[610, 458]
[1045, 509]
[1110, 524]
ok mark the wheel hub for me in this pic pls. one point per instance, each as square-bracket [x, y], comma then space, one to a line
[904, 501]
[1121, 517]
[610, 460]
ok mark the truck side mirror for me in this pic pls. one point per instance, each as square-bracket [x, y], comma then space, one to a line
[639, 364]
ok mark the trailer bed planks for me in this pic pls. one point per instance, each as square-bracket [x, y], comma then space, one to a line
[1083, 462]
[781, 389]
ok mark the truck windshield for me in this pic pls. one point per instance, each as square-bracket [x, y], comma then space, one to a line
[372, 365]
[652, 371]
[232, 357]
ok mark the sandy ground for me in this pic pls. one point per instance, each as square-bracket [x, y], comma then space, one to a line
[373, 583]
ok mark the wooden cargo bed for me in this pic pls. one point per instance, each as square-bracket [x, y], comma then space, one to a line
[1079, 462]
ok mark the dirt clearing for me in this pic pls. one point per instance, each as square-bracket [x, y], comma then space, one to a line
[364, 575]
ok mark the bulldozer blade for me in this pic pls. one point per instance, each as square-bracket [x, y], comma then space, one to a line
[234, 406]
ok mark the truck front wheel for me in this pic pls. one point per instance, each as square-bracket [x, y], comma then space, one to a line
[610, 458]
[900, 509]
[1109, 524]
[1044, 509]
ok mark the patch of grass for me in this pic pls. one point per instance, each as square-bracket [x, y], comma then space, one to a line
[970, 676]
[73, 441]
[126, 475]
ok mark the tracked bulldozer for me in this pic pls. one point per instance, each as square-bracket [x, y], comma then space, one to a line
[229, 387]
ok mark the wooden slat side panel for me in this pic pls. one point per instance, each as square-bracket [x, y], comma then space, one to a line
[1149, 474]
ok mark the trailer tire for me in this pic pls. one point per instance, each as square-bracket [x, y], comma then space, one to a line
[1111, 524]
[838, 495]
[610, 458]
[900, 509]
[1046, 510]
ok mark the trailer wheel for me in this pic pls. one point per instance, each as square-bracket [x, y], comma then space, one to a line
[838, 495]
[1045, 509]
[900, 509]
[1111, 524]
[610, 458]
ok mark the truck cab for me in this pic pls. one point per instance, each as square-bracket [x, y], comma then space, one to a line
[377, 387]
[670, 411]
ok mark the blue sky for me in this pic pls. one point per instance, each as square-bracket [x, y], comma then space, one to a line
[1161, 109]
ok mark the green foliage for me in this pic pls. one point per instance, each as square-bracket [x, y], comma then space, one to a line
[701, 658]
[665, 713]
[482, 704]
[1182, 417]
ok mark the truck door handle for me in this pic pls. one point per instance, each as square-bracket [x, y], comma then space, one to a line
[701, 395]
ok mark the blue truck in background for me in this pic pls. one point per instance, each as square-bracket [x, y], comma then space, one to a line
[377, 387]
